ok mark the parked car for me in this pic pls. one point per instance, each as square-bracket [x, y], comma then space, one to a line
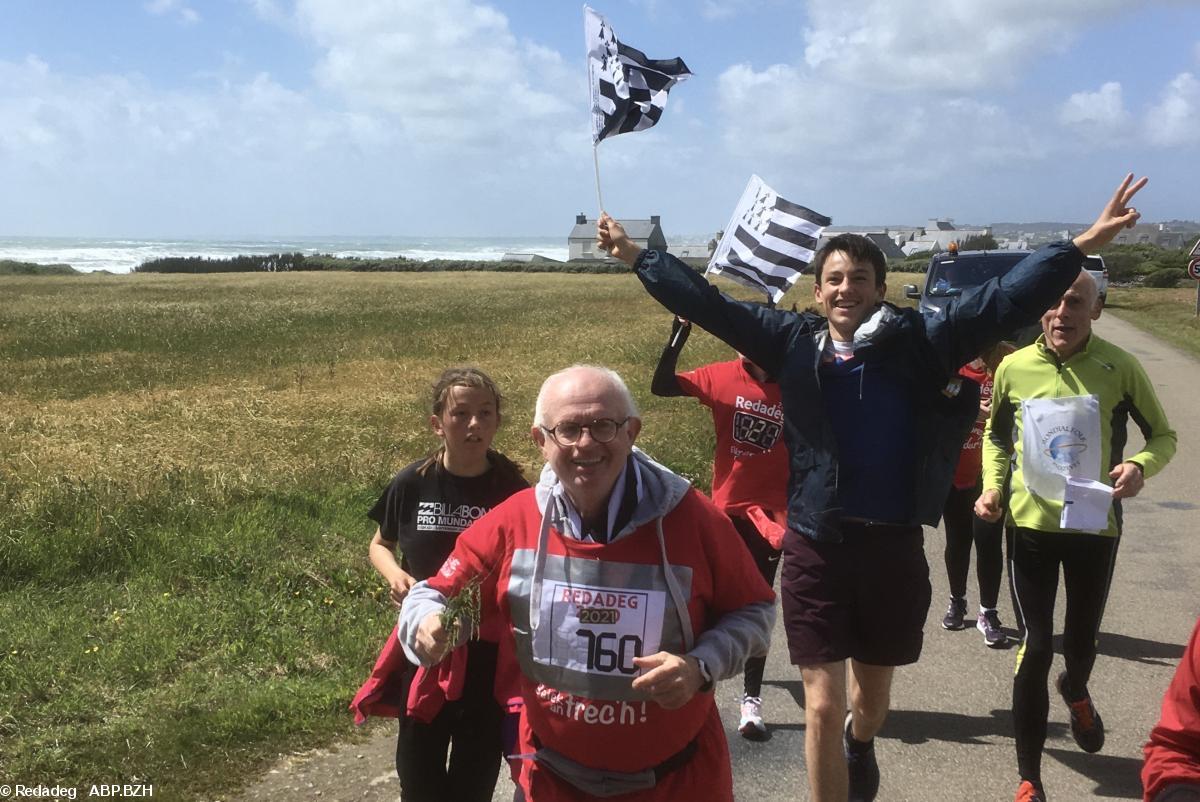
[951, 272]
[1095, 266]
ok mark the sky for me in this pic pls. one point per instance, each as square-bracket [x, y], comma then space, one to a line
[268, 118]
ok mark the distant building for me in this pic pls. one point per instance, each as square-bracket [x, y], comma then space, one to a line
[694, 251]
[884, 239]
[581, 242]
[1153, 234]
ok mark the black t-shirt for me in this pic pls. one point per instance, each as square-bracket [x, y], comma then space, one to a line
[423, 515]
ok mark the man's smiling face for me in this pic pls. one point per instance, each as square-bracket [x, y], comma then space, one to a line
[588, 469]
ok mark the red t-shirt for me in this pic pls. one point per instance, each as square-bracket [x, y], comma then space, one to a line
[970, 460]
[750, 466]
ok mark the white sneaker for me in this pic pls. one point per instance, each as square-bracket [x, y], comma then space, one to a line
[751, 724]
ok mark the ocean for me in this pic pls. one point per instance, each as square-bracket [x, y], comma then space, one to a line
[122, 255]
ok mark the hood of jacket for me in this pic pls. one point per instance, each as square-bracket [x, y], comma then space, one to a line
[879, 325]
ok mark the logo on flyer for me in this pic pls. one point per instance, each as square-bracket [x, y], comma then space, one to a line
[1065, 446]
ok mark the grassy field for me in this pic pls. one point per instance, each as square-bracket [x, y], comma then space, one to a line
[185, 465]
[1169, 315]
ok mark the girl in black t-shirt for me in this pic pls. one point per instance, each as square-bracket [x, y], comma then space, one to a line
[421, 514]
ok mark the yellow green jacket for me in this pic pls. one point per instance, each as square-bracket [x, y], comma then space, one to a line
[1099, 368]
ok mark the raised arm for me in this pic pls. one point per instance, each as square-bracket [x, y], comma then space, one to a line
[999, 308]
[664, 383]
[756, 331]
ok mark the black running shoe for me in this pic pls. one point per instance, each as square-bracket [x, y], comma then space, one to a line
[955, 613]
[861, 766]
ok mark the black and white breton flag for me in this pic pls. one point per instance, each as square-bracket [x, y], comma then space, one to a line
[769, 241]
[629, 91]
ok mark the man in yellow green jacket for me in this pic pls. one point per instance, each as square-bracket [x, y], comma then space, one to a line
[1060, 410]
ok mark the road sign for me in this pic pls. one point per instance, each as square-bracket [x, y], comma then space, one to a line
[1194, 268]
[1195, 250]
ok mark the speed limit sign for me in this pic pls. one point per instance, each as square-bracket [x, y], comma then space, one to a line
[1194, 268]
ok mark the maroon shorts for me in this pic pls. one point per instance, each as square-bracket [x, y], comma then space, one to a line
[865, 598]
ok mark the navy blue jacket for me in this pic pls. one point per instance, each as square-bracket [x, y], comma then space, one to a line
[924, 352]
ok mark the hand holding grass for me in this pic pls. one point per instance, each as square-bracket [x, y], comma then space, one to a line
[439, 633]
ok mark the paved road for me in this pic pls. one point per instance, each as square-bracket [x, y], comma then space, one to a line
[949, 735]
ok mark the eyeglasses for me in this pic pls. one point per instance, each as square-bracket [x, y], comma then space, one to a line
[569, 432]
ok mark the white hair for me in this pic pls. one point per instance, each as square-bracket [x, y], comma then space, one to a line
[610, 376]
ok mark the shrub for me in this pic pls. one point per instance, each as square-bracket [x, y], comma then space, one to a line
[8, 267]
[1167, 277]
[1122, 266]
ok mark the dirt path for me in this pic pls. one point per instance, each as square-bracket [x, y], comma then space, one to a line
[949, 735]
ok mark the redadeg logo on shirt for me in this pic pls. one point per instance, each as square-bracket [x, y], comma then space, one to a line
[438, 516]
[770, 410]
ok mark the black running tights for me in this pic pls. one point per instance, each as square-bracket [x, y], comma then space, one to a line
[964, 527]
[1086, 562]
[767, 560]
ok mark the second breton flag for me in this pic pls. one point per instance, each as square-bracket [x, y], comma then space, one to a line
[769, 241]
[629, 91]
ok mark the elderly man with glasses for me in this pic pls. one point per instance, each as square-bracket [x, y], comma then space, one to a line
[624, 592]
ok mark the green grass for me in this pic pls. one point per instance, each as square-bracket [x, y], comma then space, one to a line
[1169, 315]
[8, 267]
[185, 466]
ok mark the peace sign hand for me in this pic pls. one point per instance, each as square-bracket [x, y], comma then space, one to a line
[1117, 214]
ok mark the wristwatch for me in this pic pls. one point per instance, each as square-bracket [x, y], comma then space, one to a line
[704, 675]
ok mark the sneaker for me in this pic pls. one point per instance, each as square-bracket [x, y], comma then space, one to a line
[1086, 725]
[751, 725]
[861, 766]
[1028, 792]
[955, 613]
[989, 624]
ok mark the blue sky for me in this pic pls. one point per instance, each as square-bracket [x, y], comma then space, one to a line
[261, 118]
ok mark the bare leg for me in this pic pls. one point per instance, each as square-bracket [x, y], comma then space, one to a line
[870, 698]
[824, 716]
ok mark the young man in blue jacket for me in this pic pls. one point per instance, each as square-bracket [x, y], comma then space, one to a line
[873, 422]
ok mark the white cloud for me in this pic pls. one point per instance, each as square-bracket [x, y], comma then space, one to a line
[186, 14]
[792, 114]
[1175, 119]
[446, 73]
[121, 122]
[1098, 115]
[953, 45]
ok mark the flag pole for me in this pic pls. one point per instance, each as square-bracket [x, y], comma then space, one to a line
[596, 163]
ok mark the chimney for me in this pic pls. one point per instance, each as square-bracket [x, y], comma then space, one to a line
[654, 219]
[580, 219]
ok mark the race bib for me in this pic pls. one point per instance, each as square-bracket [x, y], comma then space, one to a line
[1061, 440]
[598, 630]
[595, 617]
